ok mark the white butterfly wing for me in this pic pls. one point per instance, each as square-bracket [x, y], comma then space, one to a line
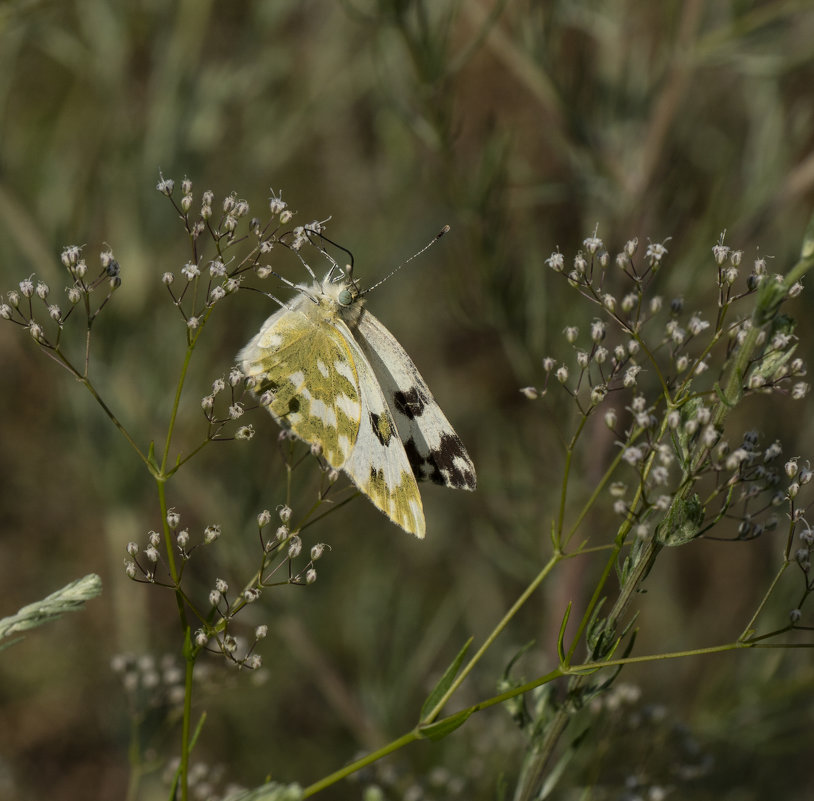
[434, 450]
[378, 464]
[327, 394]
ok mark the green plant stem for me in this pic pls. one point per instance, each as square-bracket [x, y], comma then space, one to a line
[343, 773]
[176, 405]
[749, 628]
[569, 455]
[59, 357]
[189, 656]
[579, 674]
[504, 621]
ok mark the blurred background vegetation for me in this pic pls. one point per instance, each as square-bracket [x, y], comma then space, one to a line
[525, 126]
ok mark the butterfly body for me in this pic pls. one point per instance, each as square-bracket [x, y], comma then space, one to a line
[340, 380]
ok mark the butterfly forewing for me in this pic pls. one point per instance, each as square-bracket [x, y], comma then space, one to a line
[435, 451]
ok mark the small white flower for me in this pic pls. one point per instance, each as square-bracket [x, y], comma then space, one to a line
[211, 533]
[633, 455]
[294, 547]
[799, 390]
[165, 186]
[190, 271]
[631, 374]
[655, 253]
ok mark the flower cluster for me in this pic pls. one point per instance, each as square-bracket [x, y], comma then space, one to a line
[664, 378]
[280, 564]
[34, 307]
[211, 275]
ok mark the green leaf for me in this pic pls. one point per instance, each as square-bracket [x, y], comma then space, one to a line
[440, 729]
[561, 635]
[682, 523]
[70, 598]
[445, 683]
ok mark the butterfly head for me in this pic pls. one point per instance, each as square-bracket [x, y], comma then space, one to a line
[343, 293]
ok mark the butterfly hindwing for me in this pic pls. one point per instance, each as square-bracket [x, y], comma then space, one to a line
[435, 451]
[316, 392]
[325, 391]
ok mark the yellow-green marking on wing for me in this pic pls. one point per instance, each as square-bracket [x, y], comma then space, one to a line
[315, 386]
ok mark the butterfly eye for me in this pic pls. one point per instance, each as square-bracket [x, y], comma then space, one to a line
[345, 298]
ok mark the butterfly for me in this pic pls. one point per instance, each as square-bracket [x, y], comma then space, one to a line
[339, 380]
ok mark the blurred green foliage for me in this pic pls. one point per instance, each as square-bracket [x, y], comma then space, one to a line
[525, 126]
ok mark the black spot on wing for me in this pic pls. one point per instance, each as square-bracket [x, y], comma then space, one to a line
[415, 459]
[410, 403]
[381, 427]
[448, 464]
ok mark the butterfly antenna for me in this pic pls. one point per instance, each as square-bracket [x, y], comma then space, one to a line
[429, 244]
[334, 264]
